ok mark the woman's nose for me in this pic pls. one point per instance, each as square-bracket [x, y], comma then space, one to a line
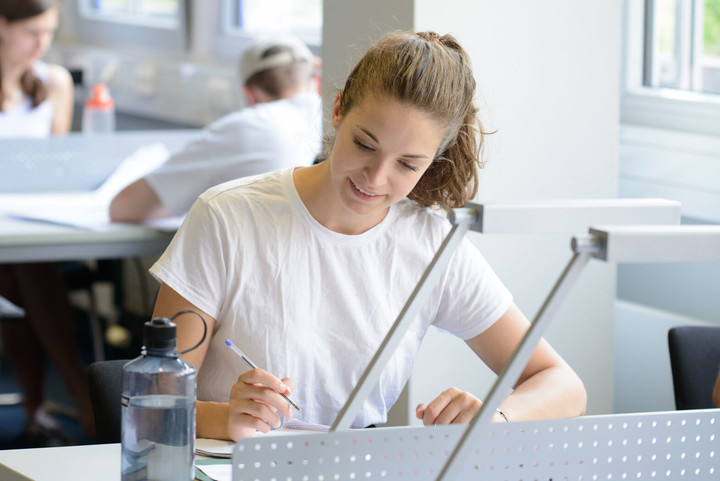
[376, 172]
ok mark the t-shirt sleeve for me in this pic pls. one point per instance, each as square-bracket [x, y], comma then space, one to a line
[473, 297]
[194, 264]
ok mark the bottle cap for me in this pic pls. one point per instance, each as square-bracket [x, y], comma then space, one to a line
[160, 334]
[100, 98]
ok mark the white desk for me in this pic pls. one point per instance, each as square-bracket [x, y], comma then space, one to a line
[94, 462]
[31, 241]
[79, 463]
[75, 176]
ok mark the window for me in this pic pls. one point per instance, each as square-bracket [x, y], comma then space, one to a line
[160, 24]
[671, 65]
[242, 20]
[682, 45]
[302, 18]
[159, 13]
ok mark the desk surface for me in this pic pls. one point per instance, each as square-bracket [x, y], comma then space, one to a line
[32, 241]
[62, 179]
[81, 230]
[79, 463]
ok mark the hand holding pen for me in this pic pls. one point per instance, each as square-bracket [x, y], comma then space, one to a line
[252, 365]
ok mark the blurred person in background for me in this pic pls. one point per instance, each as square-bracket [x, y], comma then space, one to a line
[280, 127]
[36, 100]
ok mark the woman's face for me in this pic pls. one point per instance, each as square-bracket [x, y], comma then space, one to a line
[24, 42]
[381, 150]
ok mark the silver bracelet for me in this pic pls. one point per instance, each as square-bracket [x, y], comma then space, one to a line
[502, 414]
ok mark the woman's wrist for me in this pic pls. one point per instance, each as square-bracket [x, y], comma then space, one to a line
[211, 420]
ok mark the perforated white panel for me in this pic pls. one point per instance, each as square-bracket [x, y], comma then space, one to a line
[675, 445]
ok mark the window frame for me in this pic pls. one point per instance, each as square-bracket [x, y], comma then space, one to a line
[658, 107]
[228, 42]
[103, 31]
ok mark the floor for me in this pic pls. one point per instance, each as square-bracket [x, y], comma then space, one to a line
[12, 418]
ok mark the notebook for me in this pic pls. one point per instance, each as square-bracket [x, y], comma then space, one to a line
[218, 448]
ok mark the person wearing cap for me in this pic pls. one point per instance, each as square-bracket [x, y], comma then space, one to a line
[281, 127]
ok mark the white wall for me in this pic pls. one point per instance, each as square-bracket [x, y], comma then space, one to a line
[548, 75]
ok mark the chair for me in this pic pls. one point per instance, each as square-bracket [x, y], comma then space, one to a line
[78, 276]
[695, 363]
[8, 310]
[105, 382]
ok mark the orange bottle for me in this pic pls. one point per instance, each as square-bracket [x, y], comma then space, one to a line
[99, 112]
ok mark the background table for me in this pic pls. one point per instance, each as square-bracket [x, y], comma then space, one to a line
[33, 241]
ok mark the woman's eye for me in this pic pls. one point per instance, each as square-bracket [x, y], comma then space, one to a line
[408, 166]
[362, 146]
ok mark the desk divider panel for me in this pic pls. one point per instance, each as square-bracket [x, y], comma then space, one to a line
[675, 445]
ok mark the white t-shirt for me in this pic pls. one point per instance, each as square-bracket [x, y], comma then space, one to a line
[314, 305]
[26, 121]
[265, 137]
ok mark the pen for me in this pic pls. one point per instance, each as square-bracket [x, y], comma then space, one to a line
[252, 365]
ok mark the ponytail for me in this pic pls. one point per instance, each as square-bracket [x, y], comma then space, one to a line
[453, 177]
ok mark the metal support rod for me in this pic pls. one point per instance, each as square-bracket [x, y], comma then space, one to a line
[382, 357]
[513, 368]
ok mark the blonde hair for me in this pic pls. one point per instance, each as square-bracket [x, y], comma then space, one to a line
[433, 74]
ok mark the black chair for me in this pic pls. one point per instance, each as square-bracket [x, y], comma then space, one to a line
[80, 276]
[105, 381]
[695, 363]
[8, 310]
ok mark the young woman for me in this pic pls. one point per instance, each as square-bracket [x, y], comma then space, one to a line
[306, 269]
[36, 100]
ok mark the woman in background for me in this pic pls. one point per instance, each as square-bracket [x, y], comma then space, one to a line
[36, 100]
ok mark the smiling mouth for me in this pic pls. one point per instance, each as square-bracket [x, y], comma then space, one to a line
[362, 191]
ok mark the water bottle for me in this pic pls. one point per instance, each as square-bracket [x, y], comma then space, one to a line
[99, 112]
[158, 408]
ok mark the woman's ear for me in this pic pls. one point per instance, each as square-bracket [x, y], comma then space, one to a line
[335, 114]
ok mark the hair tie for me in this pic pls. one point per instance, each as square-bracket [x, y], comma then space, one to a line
[437, 37]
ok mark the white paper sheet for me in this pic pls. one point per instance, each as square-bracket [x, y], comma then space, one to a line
[217, 472]
[89, 210]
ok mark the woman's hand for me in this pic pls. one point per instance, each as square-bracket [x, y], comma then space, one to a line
[450, 407]
[255, 401]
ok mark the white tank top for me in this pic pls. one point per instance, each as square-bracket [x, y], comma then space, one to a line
[25, 121]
